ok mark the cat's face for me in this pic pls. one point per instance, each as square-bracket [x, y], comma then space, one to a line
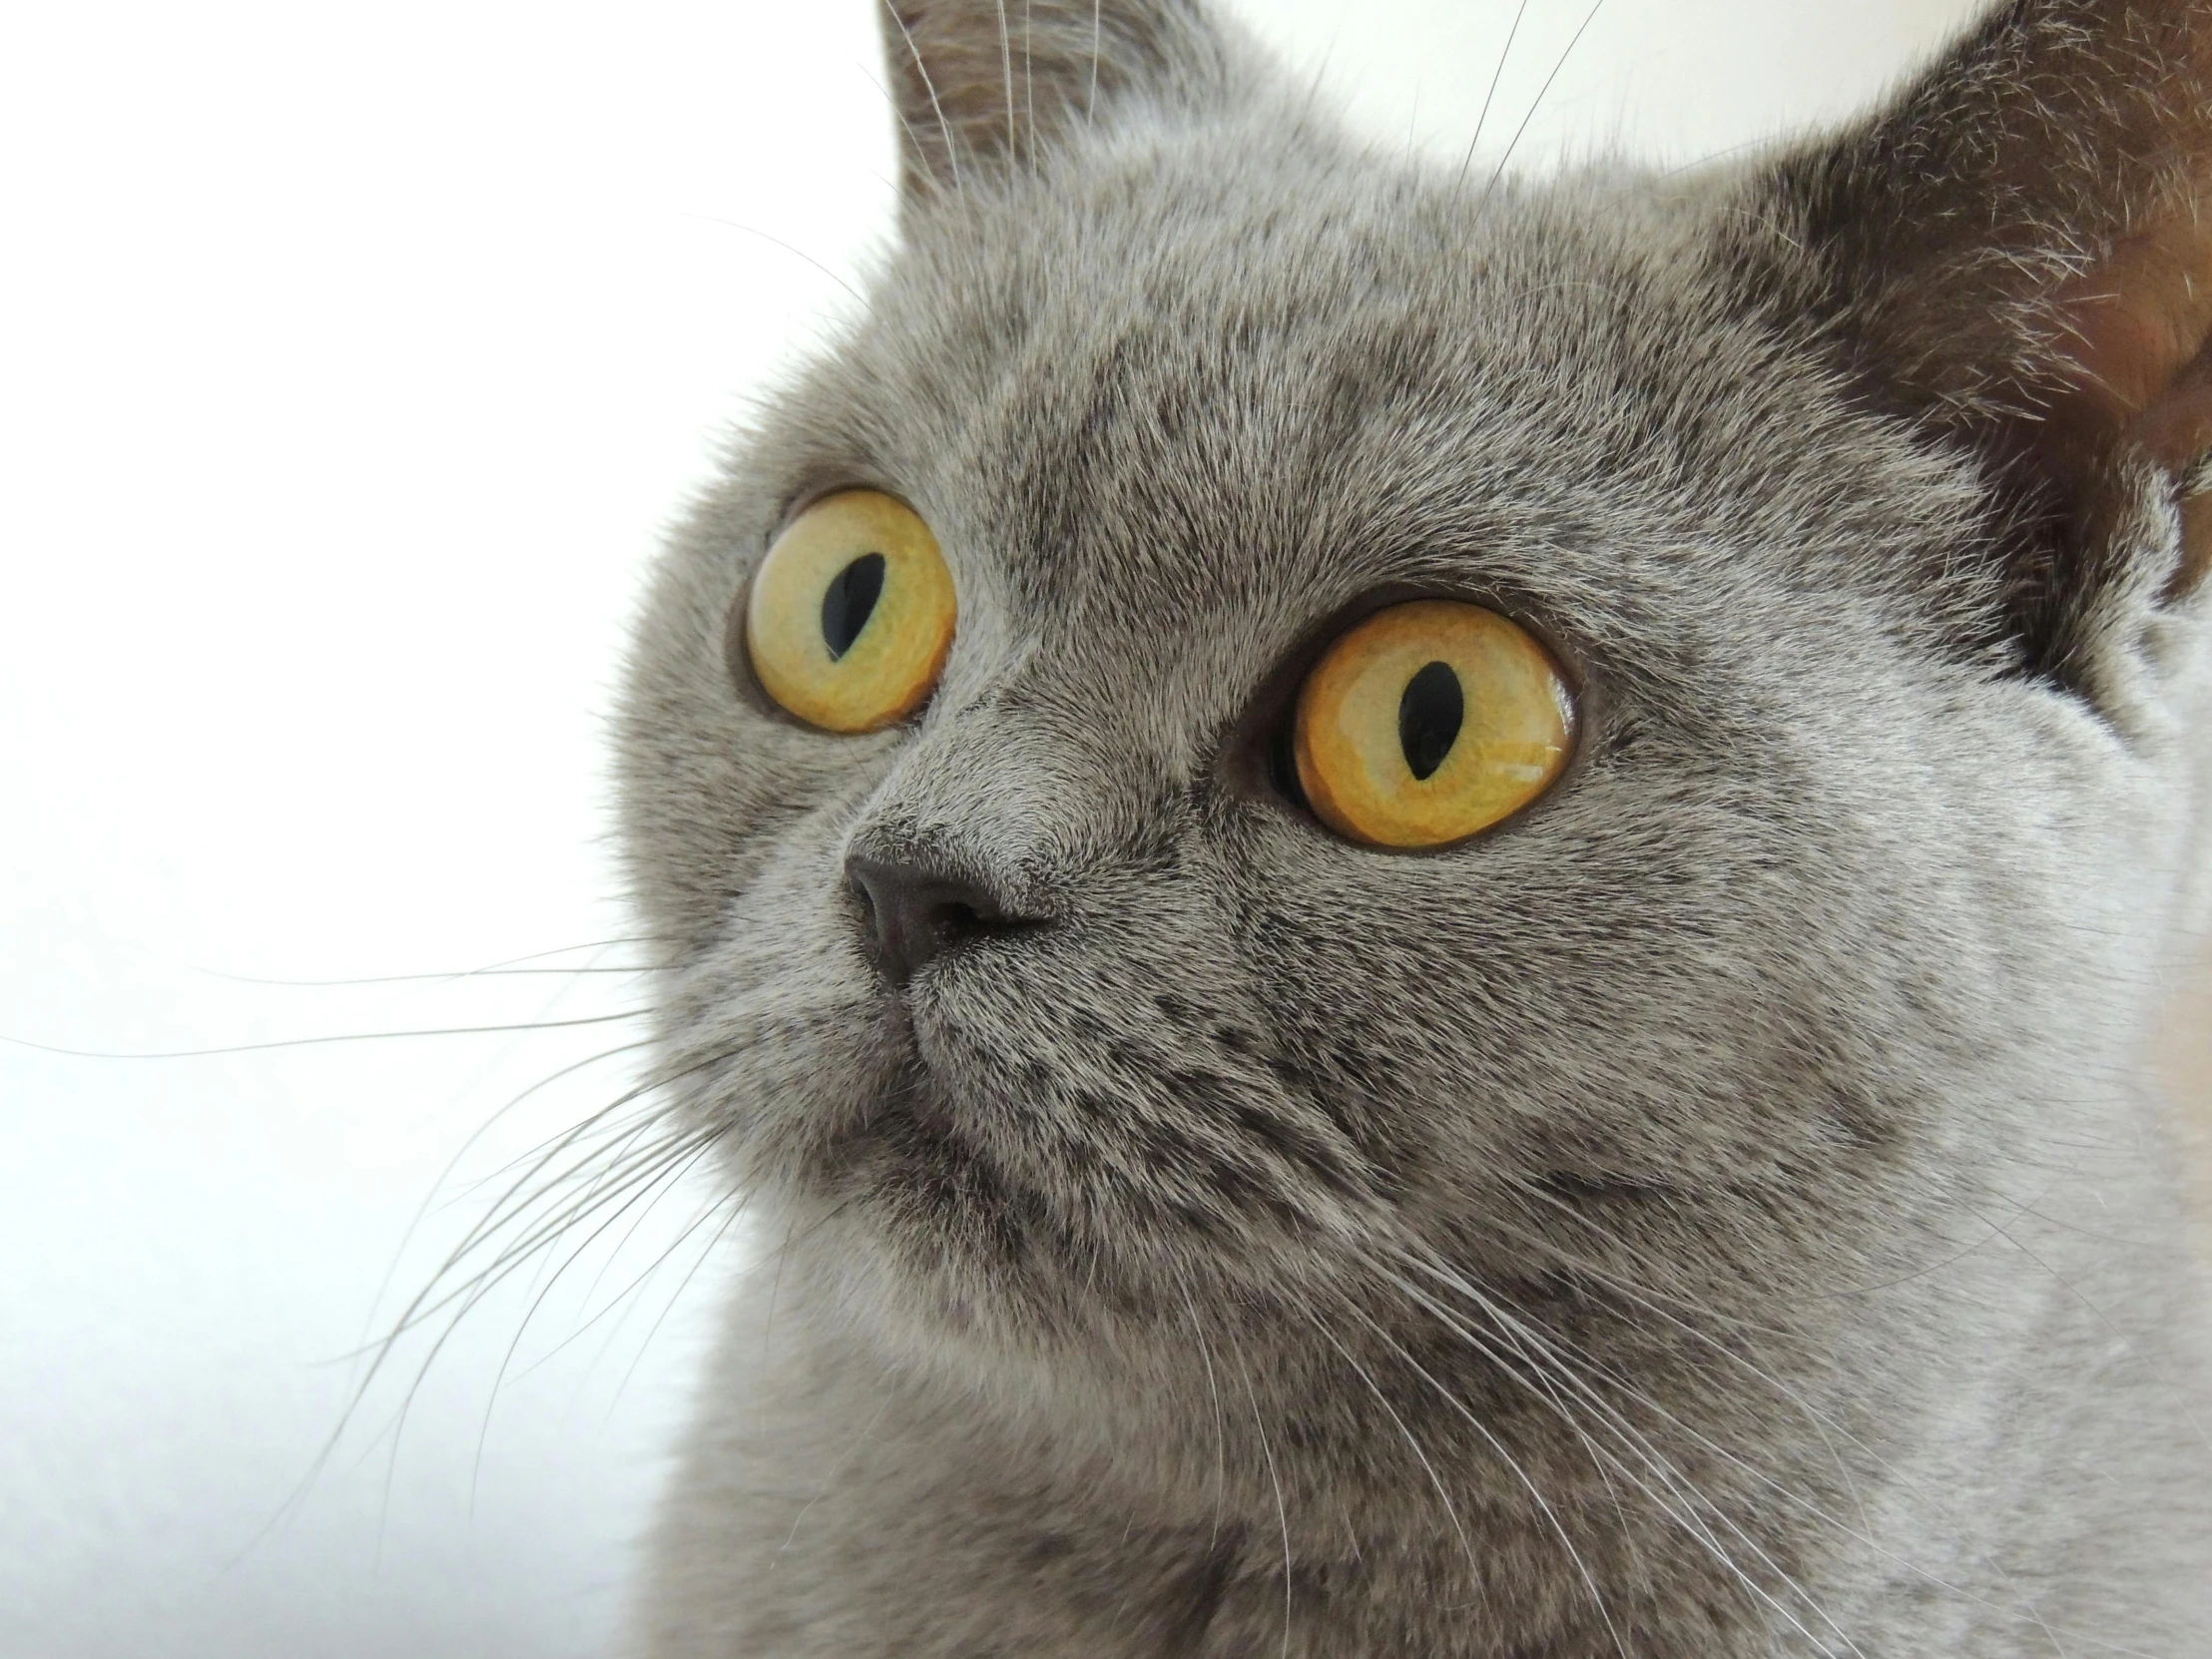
[1724, 1013]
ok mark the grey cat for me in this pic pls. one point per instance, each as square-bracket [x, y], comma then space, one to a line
[1709, 1211]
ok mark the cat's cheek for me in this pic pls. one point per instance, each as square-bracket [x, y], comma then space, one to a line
[780, 1037]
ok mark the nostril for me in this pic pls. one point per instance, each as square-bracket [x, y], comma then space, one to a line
[874, 921]
[910, 915]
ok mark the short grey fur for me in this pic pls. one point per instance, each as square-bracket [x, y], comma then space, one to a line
[1714, 1213]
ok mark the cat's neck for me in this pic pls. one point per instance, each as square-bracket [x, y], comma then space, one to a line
[833, 1476]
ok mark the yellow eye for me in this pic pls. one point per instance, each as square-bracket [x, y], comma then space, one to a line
[1428, 722]
[851, 613]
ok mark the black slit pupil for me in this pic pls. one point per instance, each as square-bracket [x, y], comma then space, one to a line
[849, 602]
[1428, 716]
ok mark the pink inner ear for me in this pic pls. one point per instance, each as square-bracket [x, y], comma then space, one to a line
[2137, 333]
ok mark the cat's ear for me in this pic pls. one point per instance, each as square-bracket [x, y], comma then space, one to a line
[2019, 250]
[983, 84]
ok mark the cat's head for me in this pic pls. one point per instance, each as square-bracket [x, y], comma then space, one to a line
[1846, 495]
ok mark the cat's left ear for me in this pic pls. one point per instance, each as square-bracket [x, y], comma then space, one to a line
[982, 85]
[2018, 251]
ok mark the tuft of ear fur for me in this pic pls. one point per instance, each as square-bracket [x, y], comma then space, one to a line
[2018, 251]
[980, 85]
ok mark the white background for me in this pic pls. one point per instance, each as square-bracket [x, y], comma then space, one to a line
[352, 360]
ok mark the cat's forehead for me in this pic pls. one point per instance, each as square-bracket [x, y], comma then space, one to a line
[1185, 351]
[1189, 401]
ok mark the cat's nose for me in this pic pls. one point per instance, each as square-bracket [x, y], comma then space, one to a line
[912, 914]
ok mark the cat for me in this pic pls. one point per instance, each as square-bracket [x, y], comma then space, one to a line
[1694, 1200]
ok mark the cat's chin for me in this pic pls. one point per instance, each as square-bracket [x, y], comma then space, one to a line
[906, 1202]
[944, 1206]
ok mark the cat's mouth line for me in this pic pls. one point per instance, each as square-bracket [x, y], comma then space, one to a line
[906, 1073]
[912, 1133]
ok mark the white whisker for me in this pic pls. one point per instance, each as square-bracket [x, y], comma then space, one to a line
[1281, 1510]
[1574, 1555]
[1482, 118]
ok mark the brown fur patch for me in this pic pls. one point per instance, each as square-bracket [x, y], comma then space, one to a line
[2134, 335]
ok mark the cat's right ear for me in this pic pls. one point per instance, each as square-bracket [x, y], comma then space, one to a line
[980, 86]
[2017, 253]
